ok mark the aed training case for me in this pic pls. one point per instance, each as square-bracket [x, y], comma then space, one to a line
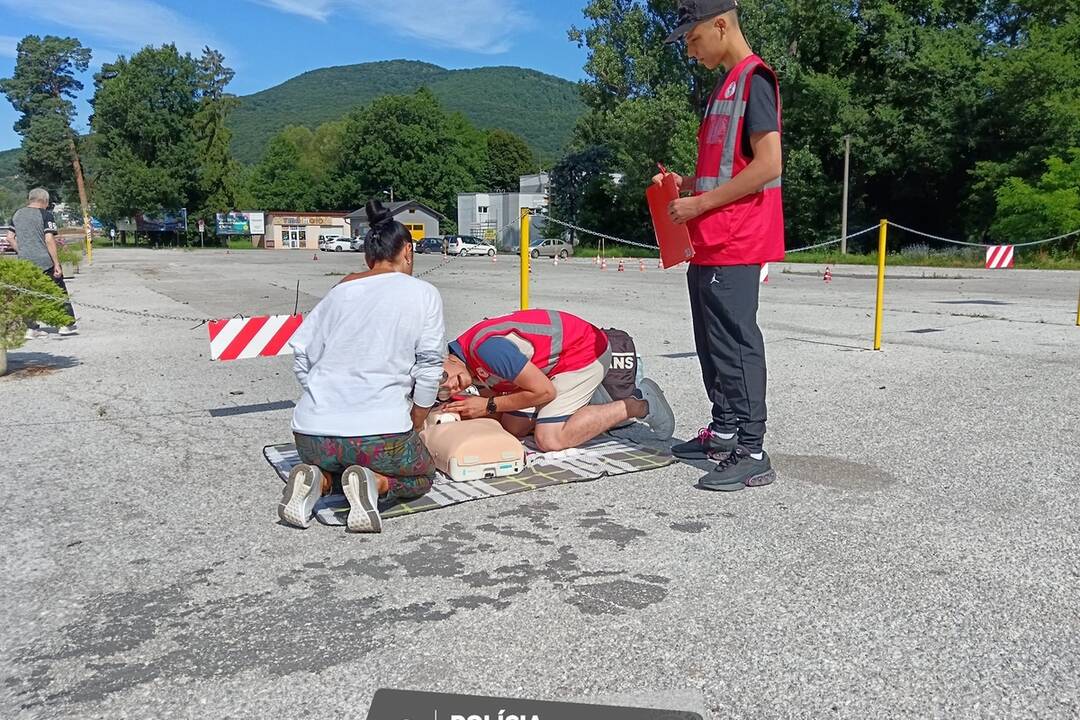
[473, 449]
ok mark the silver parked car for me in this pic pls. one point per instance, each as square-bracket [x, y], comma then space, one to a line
[551, 247]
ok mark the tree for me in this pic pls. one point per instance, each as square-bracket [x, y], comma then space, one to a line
[508, 158]
[219, 173]
[576, 176]
[409, 143]
[282, 180]
[1027, 212]
[942, 101]
[144, 110]
[41, 90]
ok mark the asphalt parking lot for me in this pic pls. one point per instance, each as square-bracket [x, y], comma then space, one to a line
[918, 556]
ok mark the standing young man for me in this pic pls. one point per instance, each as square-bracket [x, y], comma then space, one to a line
[736, 223]
[34, 239]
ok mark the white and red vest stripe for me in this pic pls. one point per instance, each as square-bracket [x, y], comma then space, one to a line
[561, 343]
[749, 231]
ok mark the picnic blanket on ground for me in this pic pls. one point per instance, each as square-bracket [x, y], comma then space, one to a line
[602, 457]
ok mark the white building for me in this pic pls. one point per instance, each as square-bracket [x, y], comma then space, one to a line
[491, 216]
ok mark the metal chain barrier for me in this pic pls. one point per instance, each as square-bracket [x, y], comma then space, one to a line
[612, 238]
[898, 226]
[120, 311]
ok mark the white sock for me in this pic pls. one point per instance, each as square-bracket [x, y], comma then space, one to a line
[757, 456]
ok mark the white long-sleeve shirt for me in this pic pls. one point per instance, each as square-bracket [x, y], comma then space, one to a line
[368, 351]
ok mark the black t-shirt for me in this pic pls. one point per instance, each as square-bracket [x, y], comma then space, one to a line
[761, 110]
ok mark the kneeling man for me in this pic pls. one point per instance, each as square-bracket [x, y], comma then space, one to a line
[537, 370]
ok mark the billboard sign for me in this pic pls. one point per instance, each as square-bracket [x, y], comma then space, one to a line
[233, 224]
[241, 223]
[162, 222]
[257, 221]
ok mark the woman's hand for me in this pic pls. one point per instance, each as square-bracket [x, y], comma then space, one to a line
[469, 409]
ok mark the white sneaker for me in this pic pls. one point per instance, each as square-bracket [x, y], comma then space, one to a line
[32, 334]
[302, 491]
[661, 419]
[67, 330]
[362, 489]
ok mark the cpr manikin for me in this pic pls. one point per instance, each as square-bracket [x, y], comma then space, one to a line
[472, 449]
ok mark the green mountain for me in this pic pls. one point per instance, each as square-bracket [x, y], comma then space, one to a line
[540, 108]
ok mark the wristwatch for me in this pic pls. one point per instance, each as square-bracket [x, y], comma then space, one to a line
[492, 408]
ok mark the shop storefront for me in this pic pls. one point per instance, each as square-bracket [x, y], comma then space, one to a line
[301, 231]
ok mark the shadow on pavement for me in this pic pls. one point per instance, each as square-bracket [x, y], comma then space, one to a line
[32, 364]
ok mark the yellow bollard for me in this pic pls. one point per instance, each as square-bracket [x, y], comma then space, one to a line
[882, 241]
[89, 239]
[526, 215]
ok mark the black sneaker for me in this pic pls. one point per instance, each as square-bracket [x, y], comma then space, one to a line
[739, 470]
[706, 445]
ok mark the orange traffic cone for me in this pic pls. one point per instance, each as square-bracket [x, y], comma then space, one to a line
[828, 274]
[641, 265]
[603, 264]
[315, 257]
[494, 258]
[555, 261]
[622, 267]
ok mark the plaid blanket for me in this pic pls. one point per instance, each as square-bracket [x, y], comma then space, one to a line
[605, 456]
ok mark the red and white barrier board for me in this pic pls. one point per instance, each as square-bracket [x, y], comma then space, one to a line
[1000, 257]
[245, 338]
[765, 274]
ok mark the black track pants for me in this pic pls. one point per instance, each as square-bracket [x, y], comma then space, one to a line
[724, 304]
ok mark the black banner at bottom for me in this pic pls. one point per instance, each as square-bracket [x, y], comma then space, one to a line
[409, 705]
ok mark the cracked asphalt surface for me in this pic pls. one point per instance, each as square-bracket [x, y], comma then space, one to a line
[918, 556]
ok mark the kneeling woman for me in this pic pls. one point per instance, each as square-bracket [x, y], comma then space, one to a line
[369, 361]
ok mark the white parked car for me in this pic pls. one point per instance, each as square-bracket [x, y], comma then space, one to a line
[338, 244]
[465, 245]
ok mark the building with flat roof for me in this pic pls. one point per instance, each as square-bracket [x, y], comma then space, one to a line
[492, 216]
[301, 231]
[420, 220]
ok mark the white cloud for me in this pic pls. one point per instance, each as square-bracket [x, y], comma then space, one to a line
[9, 46]
[314, 9]
[480, 26]
[127, 24]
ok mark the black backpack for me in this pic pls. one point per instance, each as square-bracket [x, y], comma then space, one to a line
[621, 379]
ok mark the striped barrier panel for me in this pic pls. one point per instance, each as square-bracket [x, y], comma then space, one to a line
[245, 338]
[1000, 257]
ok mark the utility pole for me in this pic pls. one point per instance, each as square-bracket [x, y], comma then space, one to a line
[843, 212]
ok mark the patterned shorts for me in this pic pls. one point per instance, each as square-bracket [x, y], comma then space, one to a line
[402, 458]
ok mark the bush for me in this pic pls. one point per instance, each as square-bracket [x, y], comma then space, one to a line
[70, 253]
[18, 308]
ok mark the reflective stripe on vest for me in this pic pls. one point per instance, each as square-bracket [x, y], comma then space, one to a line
[552, 330]
[736, 110]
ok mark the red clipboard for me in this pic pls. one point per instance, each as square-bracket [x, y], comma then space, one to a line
[673, 239]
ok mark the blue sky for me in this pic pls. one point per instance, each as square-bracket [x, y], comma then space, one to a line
[269, 41]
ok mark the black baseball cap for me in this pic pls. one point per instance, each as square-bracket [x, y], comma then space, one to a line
[692, 12]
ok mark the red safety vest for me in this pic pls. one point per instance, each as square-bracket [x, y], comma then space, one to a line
[561, 343]
[749, 231]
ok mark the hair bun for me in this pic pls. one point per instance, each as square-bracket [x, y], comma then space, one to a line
[377, 214]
